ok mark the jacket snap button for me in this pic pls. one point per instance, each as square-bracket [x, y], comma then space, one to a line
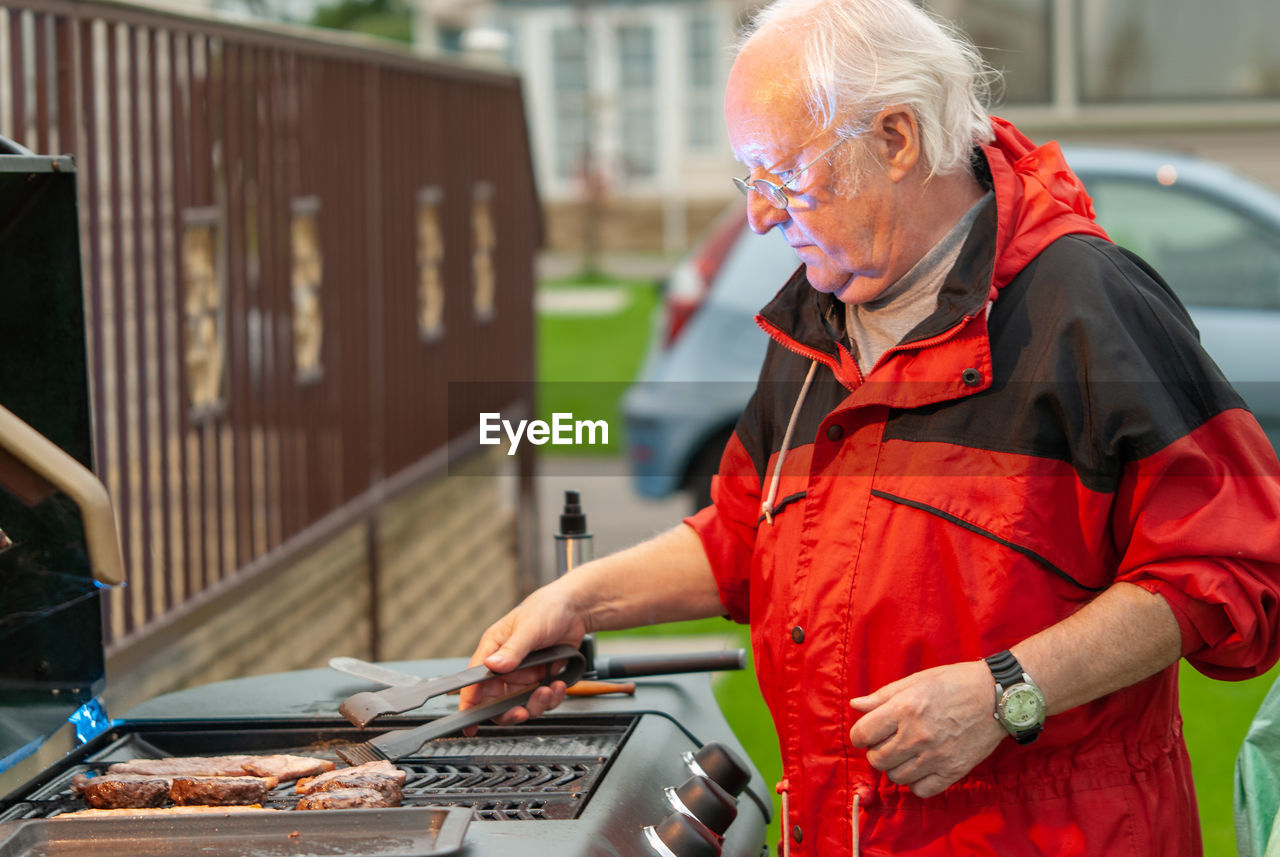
[971, 377]
[835, 431]
[796, 833]
[797, 634]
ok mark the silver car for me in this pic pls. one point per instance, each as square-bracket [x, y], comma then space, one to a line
[1211, 233]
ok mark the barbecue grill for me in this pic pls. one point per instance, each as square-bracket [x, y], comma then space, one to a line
[590, 778]
[657, 772]
[654, 773]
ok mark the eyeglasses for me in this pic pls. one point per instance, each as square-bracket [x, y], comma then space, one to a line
[776, 194]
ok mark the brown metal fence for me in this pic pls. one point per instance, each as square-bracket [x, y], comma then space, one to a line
[291, 247]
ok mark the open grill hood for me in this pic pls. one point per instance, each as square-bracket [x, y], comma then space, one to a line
[50, 616]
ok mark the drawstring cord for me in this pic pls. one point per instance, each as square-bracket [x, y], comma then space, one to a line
[766, 506]
[855, 820]
[856, 823]
[782, 788]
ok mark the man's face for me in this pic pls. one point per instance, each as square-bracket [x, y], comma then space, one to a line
[848, 230]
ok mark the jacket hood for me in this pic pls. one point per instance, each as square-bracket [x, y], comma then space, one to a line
[1038, 200]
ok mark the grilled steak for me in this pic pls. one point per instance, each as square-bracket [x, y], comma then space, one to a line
[220, 791]
[345, 799]
[383, 768]
[385, 784]
[124, 791]
[187, 766]
[282, 767]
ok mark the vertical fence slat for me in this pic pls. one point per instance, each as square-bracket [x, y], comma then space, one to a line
[180, 116]
[17, 76]
[238, 496]
[91, 256]
[142, 363]
[66, 108]
[155, 40]
[41, 29]
[119, 404]
[219, 428]
[266, 118]
[201, 105]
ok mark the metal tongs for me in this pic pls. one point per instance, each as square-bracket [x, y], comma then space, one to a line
[362, 708]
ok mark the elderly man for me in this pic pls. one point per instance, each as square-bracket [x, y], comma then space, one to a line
[987, 493]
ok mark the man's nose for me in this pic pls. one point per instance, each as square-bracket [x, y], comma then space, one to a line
[761, 215]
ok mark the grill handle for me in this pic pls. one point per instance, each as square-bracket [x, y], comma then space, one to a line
[633, 666]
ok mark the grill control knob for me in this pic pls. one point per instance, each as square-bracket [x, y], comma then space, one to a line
[701, 799]
[680, 836]
[721, 765]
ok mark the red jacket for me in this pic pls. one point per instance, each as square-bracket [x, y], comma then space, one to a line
[1053, 428]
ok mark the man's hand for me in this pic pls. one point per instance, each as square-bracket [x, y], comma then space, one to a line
[545, 618]
[665, 579]
[928, 730]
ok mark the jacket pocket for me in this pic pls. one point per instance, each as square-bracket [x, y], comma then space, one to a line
[1025, 550]
[1029, 512]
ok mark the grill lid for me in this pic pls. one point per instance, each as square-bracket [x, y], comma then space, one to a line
[50, 619]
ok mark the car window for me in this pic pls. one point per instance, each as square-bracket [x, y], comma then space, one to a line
[1210, 254]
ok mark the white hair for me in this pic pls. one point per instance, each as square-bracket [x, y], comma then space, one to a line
[858, 56]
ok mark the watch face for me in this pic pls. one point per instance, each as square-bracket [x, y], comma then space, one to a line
[1023, 707]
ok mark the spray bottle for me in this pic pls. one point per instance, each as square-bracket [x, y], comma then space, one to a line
[573, 542]
[574, 547]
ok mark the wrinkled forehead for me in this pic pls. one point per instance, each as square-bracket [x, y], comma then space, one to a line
[765, 110]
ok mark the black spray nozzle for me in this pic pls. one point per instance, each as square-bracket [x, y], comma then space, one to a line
[573, 521]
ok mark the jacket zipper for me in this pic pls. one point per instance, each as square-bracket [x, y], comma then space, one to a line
[777, 335]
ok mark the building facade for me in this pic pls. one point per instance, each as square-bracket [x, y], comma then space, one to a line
[624, 97]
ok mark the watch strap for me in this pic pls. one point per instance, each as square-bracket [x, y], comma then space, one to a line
[1027, 736]
[1007, 672]
[1005, 668]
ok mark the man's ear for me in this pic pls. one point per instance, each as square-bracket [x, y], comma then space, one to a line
[898, 136]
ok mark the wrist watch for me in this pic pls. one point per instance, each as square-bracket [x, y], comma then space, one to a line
[1020, 703]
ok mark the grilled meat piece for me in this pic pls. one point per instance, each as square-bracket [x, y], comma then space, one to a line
[220, 791]
[184, 766]
[381, 767]
[80, 782]
[124, 791]
[385, 784]
[280, 766]
[345, 799]
[284, 767]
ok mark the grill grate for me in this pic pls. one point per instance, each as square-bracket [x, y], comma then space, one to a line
[524, 775]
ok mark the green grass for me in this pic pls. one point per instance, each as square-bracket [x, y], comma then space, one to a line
[1216, 716]
[586, 362]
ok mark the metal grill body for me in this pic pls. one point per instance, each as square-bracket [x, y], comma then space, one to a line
[585, 780]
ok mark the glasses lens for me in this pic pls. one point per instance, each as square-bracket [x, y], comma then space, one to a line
[771, 192]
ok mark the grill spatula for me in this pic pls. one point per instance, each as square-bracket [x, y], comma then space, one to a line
[363, 707]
